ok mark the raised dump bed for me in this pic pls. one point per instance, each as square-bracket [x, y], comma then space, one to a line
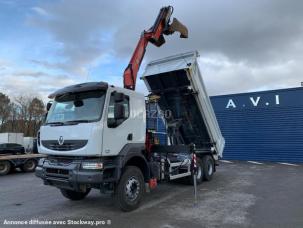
[178, 82]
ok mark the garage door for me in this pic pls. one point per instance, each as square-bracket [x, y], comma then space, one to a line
[262, 126]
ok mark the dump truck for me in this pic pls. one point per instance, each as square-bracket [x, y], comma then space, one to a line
[112, 149]
[113, 139]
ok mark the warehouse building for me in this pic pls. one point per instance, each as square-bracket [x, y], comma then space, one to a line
[262, 126]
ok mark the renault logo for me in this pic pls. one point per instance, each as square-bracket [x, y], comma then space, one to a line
[61, 140]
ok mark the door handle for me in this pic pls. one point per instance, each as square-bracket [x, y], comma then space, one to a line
[130, 136]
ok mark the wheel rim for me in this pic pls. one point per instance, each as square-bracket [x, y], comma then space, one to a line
[30, 165]
[199, 172]
[210, 168]
[3, 168]
[132, 188]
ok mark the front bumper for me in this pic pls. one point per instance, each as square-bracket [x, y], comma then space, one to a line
[68, 174]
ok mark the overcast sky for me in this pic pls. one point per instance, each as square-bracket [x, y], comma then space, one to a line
[244, 45]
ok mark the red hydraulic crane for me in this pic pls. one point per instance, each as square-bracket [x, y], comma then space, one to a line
[155, 35]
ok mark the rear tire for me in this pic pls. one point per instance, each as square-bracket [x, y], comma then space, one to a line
[73, 195]
[200, 172]
[29, 166]
[130, 189]
[5, 167]
[208, 167]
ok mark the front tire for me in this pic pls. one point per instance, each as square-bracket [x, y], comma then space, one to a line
[199, 173]
[209, 167]
[5, 167]
[73, 195]
[29, 166]
[130, 189]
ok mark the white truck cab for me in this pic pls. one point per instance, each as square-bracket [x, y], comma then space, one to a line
[81, 121]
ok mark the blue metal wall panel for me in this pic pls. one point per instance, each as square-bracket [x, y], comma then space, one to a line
[262, 126]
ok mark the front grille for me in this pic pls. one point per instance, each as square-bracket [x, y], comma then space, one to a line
[59, 161]
[56, 171]
[66, 146]
[58, 174]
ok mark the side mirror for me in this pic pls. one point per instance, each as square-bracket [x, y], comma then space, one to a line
[119, 112]
[119, 97]
[48, 106]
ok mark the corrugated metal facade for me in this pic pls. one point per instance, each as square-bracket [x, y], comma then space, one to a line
[262, 126]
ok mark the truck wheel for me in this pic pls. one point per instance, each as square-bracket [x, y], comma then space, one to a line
[209, 167]
[199, 173]
[29, 165]
[5, 167]
[130, 189]
[73, 195]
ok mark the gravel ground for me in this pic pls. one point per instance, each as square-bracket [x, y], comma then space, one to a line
[241, 194]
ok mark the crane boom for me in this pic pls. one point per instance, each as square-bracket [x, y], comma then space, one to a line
[155, 35]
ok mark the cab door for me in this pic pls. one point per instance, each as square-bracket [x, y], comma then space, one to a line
[117, 132]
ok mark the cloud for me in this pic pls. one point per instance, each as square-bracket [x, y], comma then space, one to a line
[36, 83]
[29, 73]
[40, 11]
[222, 76]
[245, 45]
[4, 64]
[46, 64]
[83, 29]
[260, 32]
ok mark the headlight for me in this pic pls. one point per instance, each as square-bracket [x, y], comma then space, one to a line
[92, 165]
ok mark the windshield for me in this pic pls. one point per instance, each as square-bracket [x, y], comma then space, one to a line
[77, 107]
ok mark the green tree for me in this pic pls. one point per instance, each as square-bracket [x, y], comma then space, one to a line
[36, 111]
[5, 108]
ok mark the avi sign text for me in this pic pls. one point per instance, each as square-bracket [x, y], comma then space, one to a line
[252, 102]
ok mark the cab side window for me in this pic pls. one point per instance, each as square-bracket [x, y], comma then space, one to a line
[113, 122]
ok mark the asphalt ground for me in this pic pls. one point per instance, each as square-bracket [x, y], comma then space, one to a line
[241, 194]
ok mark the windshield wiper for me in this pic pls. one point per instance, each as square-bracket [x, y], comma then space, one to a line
[71, 122]
[55, 123]
[76, 121]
